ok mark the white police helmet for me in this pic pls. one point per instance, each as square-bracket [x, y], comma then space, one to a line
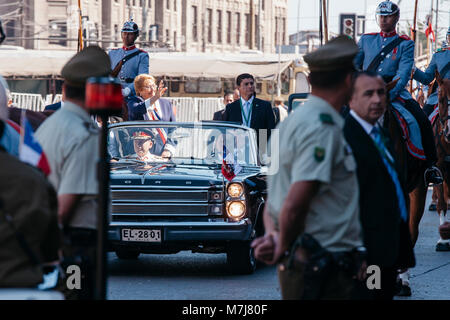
[387, 8]
[130, 26]
[4, 91]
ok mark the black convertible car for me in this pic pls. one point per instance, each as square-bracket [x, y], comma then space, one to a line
[169, 193]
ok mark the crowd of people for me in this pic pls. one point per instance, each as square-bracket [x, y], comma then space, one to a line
[337, 204]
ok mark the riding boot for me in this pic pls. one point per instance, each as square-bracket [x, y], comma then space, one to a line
[432, 174]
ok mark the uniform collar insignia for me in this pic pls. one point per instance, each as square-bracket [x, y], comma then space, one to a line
[129, 48]
[388, 34]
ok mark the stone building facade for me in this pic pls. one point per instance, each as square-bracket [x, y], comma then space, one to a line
[219, 26]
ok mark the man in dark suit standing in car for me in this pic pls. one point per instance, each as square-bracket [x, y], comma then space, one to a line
[249, 110]
[383, 207]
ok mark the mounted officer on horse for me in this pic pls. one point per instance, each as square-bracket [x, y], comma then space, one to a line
[392, 56]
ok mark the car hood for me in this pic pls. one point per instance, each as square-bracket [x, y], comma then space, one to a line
[174, 175]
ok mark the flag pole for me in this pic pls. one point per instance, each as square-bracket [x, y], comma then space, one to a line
[80, 30]
[325, 19]
[413, 37]
[320, 23]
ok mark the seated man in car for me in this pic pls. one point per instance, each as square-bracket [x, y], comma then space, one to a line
[146, 146]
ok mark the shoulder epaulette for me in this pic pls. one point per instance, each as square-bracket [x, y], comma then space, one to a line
[404, 36]
[326, 118]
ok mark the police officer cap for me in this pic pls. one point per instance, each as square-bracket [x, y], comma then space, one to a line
[386, 8]
[130, 26]
[337, 54]
[90, 62]
[143, 134]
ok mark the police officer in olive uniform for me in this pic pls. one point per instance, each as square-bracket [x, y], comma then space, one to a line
[315, 191]
[129, 61]
[70, 140]
[392, 56]
[441, 63]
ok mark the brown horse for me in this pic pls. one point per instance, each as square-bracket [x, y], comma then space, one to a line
[411, 168]
[441, 128]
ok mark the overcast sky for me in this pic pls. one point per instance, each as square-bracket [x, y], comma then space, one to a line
[309, 13]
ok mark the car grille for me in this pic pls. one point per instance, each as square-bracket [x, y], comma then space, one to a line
[147, 203]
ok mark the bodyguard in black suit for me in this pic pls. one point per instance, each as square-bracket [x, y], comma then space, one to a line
[383, 206]
[249, 110]
[227, 99]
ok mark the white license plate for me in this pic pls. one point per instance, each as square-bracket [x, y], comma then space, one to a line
[141, 235]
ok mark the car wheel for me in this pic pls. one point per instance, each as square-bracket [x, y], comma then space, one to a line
[127, 254]
[240, 257]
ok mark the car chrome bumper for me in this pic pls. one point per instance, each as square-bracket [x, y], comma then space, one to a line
[188, 231]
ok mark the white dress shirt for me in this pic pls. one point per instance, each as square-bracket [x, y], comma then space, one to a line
[150, 108]
[246, 107]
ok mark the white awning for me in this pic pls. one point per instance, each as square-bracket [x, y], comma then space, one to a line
[44, 63]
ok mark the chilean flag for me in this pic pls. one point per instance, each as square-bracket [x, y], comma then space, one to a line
[430, 30]
[30, 151]
[230, 167]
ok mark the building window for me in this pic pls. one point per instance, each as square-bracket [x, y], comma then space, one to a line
[228, 26]
[149, 3]
[168, 4]
[141, 3]
[276, 31]
[128, 2]
[257, 27]
[134, 3]
[116, 32]
[209, 22]
[9, 28]
[238, 27]
[247, 29]
[219, 26]
[194, 23]
[167, 36]
[263, 4]
[57, 32]
[175, 39]
[174, 5]
[284, 31]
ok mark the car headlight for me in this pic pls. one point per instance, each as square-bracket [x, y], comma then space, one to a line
[235, 190]
[236, 209]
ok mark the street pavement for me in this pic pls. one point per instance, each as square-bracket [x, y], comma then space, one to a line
[206, 276]
[430, 279]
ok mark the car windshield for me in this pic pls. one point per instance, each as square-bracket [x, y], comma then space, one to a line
[196, 144]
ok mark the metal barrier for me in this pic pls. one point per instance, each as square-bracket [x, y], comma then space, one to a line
[207, 107]
[184, 108]
[28, 101]
[195, 109]
[187, 109]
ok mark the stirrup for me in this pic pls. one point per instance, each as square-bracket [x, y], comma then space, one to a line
[438, 175]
